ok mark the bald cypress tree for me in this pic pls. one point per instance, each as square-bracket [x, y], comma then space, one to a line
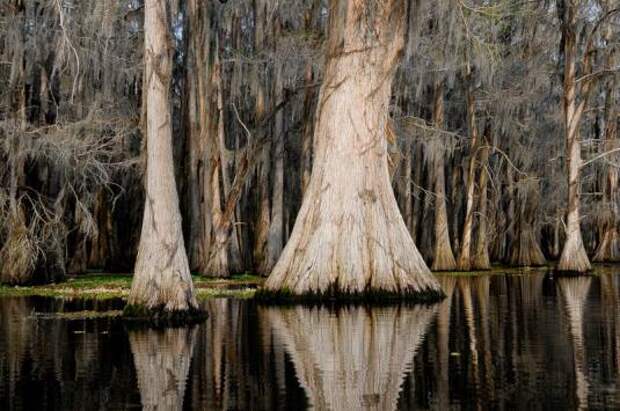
[349, 238]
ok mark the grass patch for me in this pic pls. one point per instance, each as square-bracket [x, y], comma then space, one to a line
[110, 286]
[79, 315]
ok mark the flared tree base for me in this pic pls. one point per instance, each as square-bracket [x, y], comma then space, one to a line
[444, 260]
[609, 248]
[574, 260]
[527, 253]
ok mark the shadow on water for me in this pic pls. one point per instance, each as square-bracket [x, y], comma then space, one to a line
[497, 341]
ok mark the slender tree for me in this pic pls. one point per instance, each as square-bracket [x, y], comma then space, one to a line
[443, 258]
[162, 284]
[574, 257]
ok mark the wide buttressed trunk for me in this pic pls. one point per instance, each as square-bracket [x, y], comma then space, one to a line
[349, 239]
[162, 282]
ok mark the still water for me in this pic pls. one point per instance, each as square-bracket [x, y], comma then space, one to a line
[498, 341]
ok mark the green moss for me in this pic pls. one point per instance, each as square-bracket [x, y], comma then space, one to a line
[80, 315]
[110, 286]
[240, 293]
[239, 279]
[63, 292]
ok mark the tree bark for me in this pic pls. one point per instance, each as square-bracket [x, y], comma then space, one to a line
[443, 258]
[481, 257]
[574, 257]
[162, 281]
[197, 125]
[350, 238]
[306, 151]
[525, 247]
[609, 246]
[276, 228]
[260, 253]
[464, 260]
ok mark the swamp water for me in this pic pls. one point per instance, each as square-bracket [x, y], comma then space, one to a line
[498, 341]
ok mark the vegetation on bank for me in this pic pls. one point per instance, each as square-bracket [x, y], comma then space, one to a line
[108, 286]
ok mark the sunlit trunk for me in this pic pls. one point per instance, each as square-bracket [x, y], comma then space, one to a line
[162, 280]
[574, 257]
[349, 237]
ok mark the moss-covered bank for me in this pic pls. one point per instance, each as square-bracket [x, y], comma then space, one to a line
[109, 286]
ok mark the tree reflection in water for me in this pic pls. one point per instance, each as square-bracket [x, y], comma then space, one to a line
[350, 357]
[574, 292]
[162, 358]
[515, 341]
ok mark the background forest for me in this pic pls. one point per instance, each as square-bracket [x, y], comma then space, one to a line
[494, 106]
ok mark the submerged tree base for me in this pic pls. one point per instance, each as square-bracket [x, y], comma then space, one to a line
[285, 296]
[160, 317]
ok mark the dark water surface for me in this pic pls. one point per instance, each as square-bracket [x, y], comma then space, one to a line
[497, 342]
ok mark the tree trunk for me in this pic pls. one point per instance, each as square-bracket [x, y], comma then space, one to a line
[574, 257]
[407, 200]
[481, 258]
[525, 248]
[276, 228]
[197, 124]
[224, 256]
[162, 283]
[443, 258]
[306, 151]
[464, 260]
[264, 164]
[609, 246]
[350, 238]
